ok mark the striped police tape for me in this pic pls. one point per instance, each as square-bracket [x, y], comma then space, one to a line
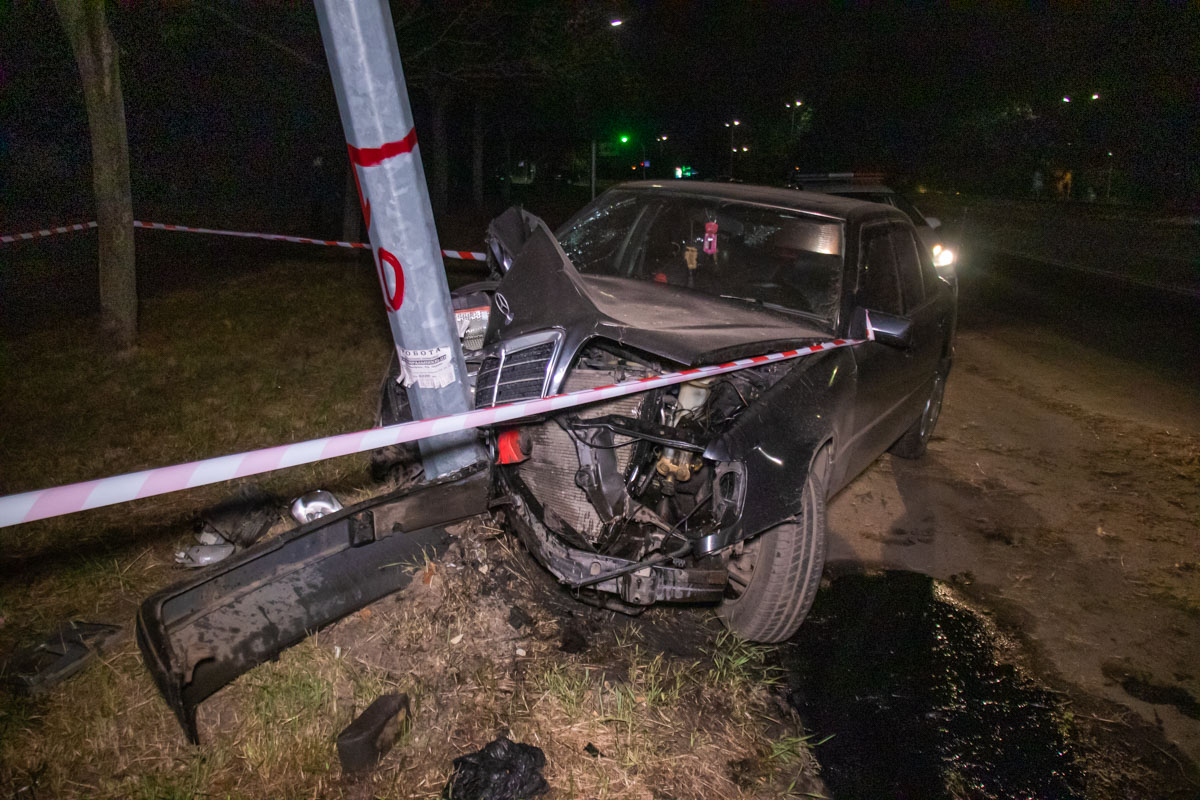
[59, 500]
[464, 255]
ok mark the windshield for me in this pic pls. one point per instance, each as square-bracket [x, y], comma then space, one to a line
[780, 259]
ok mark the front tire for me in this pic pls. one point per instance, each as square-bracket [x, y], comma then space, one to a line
[775, 579]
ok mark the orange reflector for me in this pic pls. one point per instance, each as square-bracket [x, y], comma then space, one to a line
[509, 445]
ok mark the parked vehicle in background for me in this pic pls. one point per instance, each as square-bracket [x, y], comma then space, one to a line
[870, 188]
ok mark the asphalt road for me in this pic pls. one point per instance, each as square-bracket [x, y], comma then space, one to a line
[1125, 320]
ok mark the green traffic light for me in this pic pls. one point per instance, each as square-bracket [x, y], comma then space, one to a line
[624, 140]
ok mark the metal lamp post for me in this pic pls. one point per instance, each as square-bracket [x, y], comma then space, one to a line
[372, 98]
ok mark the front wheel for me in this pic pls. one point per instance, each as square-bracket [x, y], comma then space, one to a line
[773, 581]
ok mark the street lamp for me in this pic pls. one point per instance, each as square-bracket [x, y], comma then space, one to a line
[616, 23]
[793, 107]
[733, 149]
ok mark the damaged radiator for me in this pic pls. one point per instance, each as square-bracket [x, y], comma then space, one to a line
[550, 470]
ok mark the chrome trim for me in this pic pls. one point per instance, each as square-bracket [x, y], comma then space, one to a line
[501, 351]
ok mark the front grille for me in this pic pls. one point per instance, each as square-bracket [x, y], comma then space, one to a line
[517, 375]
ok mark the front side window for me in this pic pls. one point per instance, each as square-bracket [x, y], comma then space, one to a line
[908, 264]
[782, 260]
[878, 287]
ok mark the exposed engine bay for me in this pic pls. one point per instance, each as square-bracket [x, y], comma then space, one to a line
[625, 486]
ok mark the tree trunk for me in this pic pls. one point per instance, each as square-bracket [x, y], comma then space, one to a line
[96, 55]
[439, 155]
[477, 155]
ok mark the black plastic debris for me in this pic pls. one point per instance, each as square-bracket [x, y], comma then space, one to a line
[243, 519]
[60, 655]
[502, 770]
[366, 740]
[592, 750]
[518, 619]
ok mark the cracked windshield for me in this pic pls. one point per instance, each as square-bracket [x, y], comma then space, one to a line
[783, 261]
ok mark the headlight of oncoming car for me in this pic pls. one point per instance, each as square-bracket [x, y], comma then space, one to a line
[942, 256]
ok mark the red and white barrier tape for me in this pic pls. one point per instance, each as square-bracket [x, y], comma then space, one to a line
[18, 237]
[59, 500]
[465, 255]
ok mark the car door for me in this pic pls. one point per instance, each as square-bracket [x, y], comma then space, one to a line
[884, 371]
[923, 309]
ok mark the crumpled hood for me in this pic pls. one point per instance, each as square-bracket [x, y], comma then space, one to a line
[543, 290]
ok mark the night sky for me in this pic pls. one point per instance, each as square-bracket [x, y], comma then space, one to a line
[229, 104]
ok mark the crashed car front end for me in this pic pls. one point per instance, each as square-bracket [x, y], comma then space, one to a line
[644, 499]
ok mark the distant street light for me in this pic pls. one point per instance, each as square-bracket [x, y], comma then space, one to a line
[1066, 99]
[732, 146]
[1095, 96]
[793, 107]
[616, 23]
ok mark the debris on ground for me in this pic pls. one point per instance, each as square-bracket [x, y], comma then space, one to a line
[243, 519]
[502, 770]
[365, 741]
[237, 522]
[314, 505]
[201, 555]
[60, 655]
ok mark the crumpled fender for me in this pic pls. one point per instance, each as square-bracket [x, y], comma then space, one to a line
[773, 441]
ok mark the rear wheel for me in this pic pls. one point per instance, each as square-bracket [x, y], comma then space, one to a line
[773, 581]
[914, 441]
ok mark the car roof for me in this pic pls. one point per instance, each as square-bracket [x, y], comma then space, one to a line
[848, 188]
[843, 208]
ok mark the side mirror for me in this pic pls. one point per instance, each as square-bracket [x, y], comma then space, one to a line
[933, 222]
[884, 328]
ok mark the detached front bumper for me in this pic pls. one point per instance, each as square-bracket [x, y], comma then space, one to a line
[199, 635]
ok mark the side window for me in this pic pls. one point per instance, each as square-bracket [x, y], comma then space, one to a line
[878, 288]
[908, 262]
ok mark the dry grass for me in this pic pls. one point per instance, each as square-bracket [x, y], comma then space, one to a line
[665, 725]
[292, 353]
[284, 355]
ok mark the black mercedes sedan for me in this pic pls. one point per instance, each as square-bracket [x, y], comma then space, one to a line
[712, 491]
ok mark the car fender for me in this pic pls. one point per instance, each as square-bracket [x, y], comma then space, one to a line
[772, 443]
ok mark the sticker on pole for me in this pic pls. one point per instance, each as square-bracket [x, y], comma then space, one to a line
[429, 369]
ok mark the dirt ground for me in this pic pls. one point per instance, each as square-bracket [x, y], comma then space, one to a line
[1061, 491]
